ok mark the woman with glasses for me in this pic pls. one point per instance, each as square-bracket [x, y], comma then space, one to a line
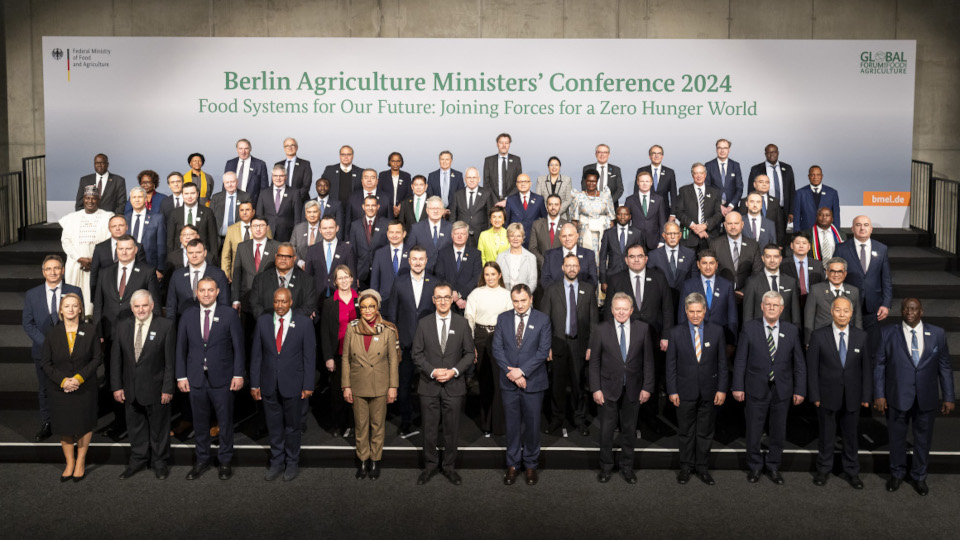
[339, 311]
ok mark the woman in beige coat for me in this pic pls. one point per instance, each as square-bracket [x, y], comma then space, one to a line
[370, 379]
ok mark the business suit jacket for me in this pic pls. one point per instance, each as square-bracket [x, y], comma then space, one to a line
[666, 186]
[153, 238]
[817, 311]
[877, 284]
[36, 313]
[363, 251]
[332, 173]
[535, 210]
[723, 308]
[731, 185]
[686, 264]
[58, 363]
[901, 383]
[464, 280]
[408, 214]
[554, 305]
[403, 310]
[657, 308]
[552, 269]
[813, 270]
[434, 187]
[291, 211]
[300, 238]
[218, 204]
[531, 357]
[292, 369]
[758, 284]
[176, 260]
[109, 308]
[258, 178]
[244, 269]
[114, 197]
[476, 216]
[381, 271]
[385, 185]
[688, 378]
[205, 223]
[839, 386]
[223, 351]
[786, 178]
[816, 244]
[355, 208]
[752, 365]
[317, 265]
[167, 208]
[427, 355]
[103, 258]
[564, 191]
[540, 236]
[334, 208]
[300, 285]
[750, 261]
[614, 181]
[607, 369]
[687, 212]
[491, 174]
[768, 230]
[805, 206]
[156, 205]
[301, 180]
[611, 257]
[652, 223]
[230, 244]
[143, 381]
[180, 294]
[370, 372]
[422, 233]
[774, 213]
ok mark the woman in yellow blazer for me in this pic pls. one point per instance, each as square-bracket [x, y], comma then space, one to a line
[369, 363]
[493, 241]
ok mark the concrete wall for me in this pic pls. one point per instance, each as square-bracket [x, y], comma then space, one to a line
[933, 23]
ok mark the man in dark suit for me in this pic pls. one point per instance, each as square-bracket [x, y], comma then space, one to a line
[762, 230]
[724, 174]
[413, 209]
[653, 302]
[868, 269]
[105, 253]
[193, 213]
[545, 232]
[251, 173]
[112, 188]
[521, 345]
[433, 233]
[442, 351]
[812, 197]
[524, 207]
[664, 179]
[696, 384]
[770, 279]
[368, 188]
[824, 236]
[330, 206]
[698, 210]
[141, 367]
[41, 308]
[226, 203]
[389, 260]
[648, 210]
[210, 359]
[324, 257]
[148, 230]
[609, 174]
[552, 269]
[621, 380]
[252, 256]
[804, 269]
[177, 260]
[459, 265]
[737, 255]
[283, 273]
[500, 171]
[408, 303]
[614, 242]
[472, 204]
[913, 361]
[282, 368]
[720, 303]
[344, 177]
[571, 306]
[280, 205]
[768, 370]
[445, 181]
[769, 207]
[676, 262]
[818, 312]
[840, 380]
[181, 292]
[780, 175]
[297, 172]
[175, 200]
[367, 234]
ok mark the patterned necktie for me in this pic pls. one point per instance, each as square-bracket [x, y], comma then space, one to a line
[276, 200]
[443, 336]
[283, 282]
[520, 330]
[396, 261]
[196, 279]
[709, 294]
[313, 236]
[802, 278]
[136, 227]
[696, 343]
[700, 212]
[189, 216]
[863, 257]
[53, 305]
[100, 185]
[256, 259]
[246, 232]
[723, 172]
[138, 342]
[736, 255]
[772, 347]
[914, 349]
[843, 351]
[176, 202]
[280, 334]
[572, 311]
[123, 282]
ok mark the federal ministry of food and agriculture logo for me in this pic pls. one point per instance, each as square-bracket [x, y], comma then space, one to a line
[57, 53]
[883, 63]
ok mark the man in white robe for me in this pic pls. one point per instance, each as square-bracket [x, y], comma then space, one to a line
[82, 231]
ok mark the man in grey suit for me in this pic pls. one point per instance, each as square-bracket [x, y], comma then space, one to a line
[771, 279]
[500, 171]
[817, 312]
[545, 232]
[226, 203]
[472, 205]
[112, 188]
[442, 351]
[610, 176]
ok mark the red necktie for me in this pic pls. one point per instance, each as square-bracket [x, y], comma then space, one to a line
[802, 278]
[369, 230]
[552, 232]
[280, 336]
[256, 259]
[524, 202]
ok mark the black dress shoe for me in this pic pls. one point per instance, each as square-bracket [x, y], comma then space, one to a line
[820, 478]
[584, 430]
[683, 477]
[290, 474]
[197, 470]
[273, 473]
[705, 477]
[532, 477]
[552, 426]
[303, 429]
[44, 433]
[628, 476]
[920, 486]
[425, 476]
[362, 470]
[510, 477]
[775, 477]
[893, 484]
[753, 477]
[853, 480]
[117, 433]
[374, 469]
[453, 477]
[161, 471]
[603, 477]
[225, 472]
[130, 471]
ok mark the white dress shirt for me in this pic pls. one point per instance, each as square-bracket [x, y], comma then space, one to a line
[133, 220]
[908, 336]
[417, 288]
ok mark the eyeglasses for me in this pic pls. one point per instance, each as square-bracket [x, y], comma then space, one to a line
[835, 271]
[367, 308]
[346, 154]
[282, 256]
[289, 146]
[446, 298]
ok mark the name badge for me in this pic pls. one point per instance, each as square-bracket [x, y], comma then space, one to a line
[451, 332]
[441, 234]
[376, 338]
[336, 256]
[196, 218]
[135, 269]
[378, 229]
[874, 253]
[265, 253]
[581, 292]
[856, 350]
[290, 286]
[216, 319]
[82, 334]
[284, 194]
[649, 279]
[681, 259]
[733, 174]
[581, 256]
[716, 294]
[781, 335]
[293, 324]
[151, 336]
[530, 327]
[708, 195]
[152, 333]
[926, 333]
[707, 344]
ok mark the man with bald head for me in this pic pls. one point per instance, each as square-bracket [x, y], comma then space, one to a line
[737, 255]
[868, 269]
[251, 173]
[698, 210]
[472, 204]
[552, 269]
[525, 207]
[226, 203]
[299, 175]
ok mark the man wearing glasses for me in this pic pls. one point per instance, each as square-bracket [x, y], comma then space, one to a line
[344, 176]
[817, 312]
[664, 179]
[299, 174]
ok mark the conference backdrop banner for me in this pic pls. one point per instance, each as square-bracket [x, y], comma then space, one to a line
[150, 102]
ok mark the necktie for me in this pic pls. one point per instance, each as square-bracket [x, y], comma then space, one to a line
[313, 236]
[396, 261]
[524, 202]
[323, 207]
[289, 171]
[242, 175]
[673, 262]
[826, 246]
[644, 206]
[196, 279]
[114, 244]
[756, 230]
[246, 232]
[280, 334]
[329, 257]
[459, 259]
[776, 183]
[603, 178]
[520, 331]
[443, 336]
[656, 177]
[445, 190]
[231, 213]
[256, 259]
[369, 230]
[773, 283]
[552, 233]
[836, 293]
[53, 305]
[700, 205]
[138, 342]
[416, 208]
[736, 255]
[638, 291]
[623, 240]
[843, 351]
[470, 203]
[189, 216]
[772, 347]
[572, 311]
[863, 257]
[623, 343]
[914, 349]
[136, 227]
[436, 235]
[709, 293]
[206, 325]
[696, 343]
[503, 175]
[176, 201]
[276, 200]
[100, 185]
[764, 203]
[283, 282]
[123, 282]
[801, 277]
[723, 172]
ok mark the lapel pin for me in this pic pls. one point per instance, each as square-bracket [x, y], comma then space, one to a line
[531, 327]
[707, 344]
[856, 350]
[216, 319]
[80, 334]
[451, 332]
[781, 335]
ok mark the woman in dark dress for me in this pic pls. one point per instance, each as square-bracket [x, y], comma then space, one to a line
[338, 310]
[71, 355]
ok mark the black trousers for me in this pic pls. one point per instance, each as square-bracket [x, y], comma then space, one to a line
[488, 376]
[567, 371]
[696, 420]
[756, 411]
[148, 427]
[847, 422]
[442, 409]
[627, 411]
[283, 417]
[408, 376]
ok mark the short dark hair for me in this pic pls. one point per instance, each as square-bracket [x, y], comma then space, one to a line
[554, 158]
[591, 172]
[771, 246]
[704, 253]
[152, 175]
[443, 284]
[196, 242]
[190, 185]
[196, 154]
[521, 287]
[127, 238]
[191, 227]
[417, 248]
[398, 154]
[634, 246]
[507, 135]
[52, 257]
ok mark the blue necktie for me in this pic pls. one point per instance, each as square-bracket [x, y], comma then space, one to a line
[436, 238]
[136, 227]
[459, 253]
[776, 184]
[396, 261]
[656, 177]
[623, 242]
[709, 294]
[623, 343]
[843, 351]
[914, 349]
[323, 207]
[329, 257]
[54, 312]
